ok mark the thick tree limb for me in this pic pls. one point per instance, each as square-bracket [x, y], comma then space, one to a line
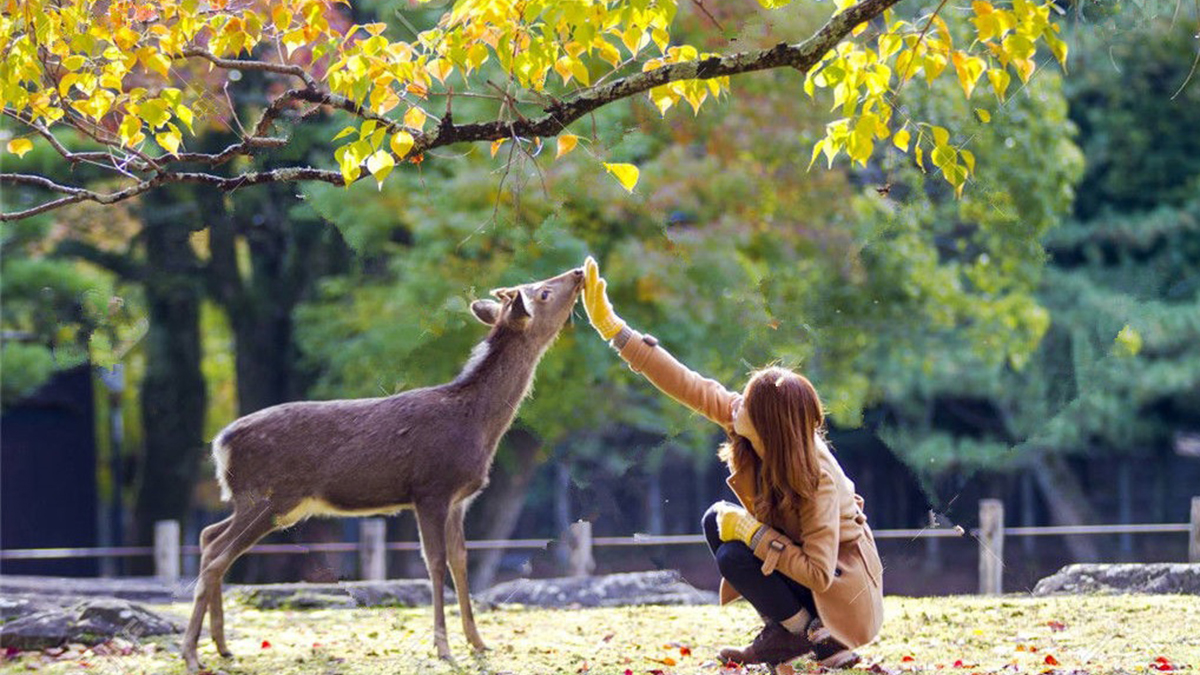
[801, 56]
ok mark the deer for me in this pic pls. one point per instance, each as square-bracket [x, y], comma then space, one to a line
[429, 450]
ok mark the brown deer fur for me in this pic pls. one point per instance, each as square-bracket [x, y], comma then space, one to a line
[429, 449]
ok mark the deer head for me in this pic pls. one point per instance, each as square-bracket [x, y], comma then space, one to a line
[538, 311]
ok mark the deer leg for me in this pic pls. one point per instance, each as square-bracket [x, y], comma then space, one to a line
[244, 528]
[431, 521]
[216, 614]
[456, 550]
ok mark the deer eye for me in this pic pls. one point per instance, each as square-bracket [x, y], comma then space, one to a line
[546, 294]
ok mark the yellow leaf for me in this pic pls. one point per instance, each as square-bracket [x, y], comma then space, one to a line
[940, 136]
[566, 143]
[74, 62]
[415, 118]
[1000, 80]
[820, 145]
[130, 131]
[496, 145]
[969, 158]
[380, 164]
[626, 174]
[984, 116]
[169, 139]
[401, 143]
[901, 139]
[20, 146]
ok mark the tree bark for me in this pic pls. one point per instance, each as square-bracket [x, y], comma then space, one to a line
[1066, 502]
[504, 500]
[173, 396]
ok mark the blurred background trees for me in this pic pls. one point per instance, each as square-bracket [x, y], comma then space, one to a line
[1029, 340]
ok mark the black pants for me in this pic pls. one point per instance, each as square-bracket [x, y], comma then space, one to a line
[775, 596]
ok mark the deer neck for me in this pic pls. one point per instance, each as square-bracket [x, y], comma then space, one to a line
[497, 378]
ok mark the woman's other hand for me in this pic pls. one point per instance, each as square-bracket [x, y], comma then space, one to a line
[736, 524]
[595, 302]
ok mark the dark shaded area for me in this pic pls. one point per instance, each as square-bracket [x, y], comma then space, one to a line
[48, 474]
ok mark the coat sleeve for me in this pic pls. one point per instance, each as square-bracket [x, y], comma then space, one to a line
[812, 562]
[704, 395]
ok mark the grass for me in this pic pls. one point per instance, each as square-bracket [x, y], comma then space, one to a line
[1009, 634]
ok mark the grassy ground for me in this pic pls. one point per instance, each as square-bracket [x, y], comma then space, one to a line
[1011, 634]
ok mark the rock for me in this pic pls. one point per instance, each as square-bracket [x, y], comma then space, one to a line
[144, 590]
[1122, 578]
[663, 587]
[14, 606]
[348, 594]
[89, 622]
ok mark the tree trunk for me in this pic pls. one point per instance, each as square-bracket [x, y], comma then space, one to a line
[504, 500]
[1066, 502]
[173, 396]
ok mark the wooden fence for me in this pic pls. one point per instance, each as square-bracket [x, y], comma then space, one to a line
[372, 546]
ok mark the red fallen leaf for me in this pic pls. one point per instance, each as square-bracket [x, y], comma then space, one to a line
[906, 658]
[628, 672]
[608, 637]
[266, 644]
[1162, 664]
[959, 664]
[1050, 660]
[316, 645]
[656, 671]
[1056, 626]
[685, 651]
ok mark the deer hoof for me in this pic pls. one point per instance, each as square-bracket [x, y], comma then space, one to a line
[480, 647]
[226, 654]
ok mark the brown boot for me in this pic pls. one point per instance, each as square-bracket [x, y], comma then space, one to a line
[827, 650]
[773, 645]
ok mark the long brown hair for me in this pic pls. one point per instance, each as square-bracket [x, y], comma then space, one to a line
[786, 412]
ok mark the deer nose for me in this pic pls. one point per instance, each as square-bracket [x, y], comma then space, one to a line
[578, 272]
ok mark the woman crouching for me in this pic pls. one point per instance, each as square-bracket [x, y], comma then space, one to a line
[798, 547]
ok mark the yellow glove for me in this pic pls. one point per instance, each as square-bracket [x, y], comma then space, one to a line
[735, 524]
[595, 302]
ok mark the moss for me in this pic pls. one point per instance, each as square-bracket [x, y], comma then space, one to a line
[1097, 634]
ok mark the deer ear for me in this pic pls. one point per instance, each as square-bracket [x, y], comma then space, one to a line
[487, 311]
[519, 309]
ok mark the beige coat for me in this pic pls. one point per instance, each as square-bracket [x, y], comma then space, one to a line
[826, 545]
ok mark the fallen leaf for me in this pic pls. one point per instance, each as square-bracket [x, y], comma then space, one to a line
[608, 637]
[785, 669]
[1050, 660]
[906, 658]
[1056, 626]
[266, 644]
[1163, 664]
[685, 651]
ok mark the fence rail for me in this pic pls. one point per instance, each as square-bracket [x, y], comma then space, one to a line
[168, 550]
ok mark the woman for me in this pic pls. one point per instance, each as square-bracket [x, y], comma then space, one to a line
[798, 548]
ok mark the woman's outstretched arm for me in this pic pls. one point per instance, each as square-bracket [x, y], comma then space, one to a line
[644, 355]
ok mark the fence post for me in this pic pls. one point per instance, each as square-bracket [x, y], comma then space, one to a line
[372, 551]
[579, 549]
[991, 546]
[1194, 537]
[167, 563]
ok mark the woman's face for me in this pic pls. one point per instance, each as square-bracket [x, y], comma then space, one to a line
[742, 424]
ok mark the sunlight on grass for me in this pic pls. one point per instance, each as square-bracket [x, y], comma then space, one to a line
[1010, 634]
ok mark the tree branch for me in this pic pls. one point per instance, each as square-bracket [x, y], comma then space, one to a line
[801, 56]
[240, 64]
